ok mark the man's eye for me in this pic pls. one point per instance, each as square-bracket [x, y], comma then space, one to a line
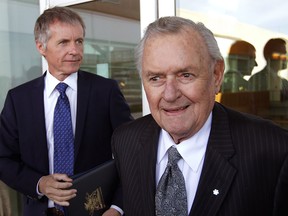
[156, 81]
[155, 78]
[79, 42]
[186, 77]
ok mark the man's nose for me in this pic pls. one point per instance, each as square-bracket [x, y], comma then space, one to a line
[171, 91]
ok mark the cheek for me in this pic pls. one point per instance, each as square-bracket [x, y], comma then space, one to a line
[80, 50]
[199, 92]
[55, 54]
[153, 96]
[194, 91]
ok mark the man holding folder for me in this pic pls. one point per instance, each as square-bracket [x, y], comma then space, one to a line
[59, 124]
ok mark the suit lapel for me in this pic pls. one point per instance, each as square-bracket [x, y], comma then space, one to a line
[83, 92]
[38, 122]
[147, 163]
[217, 174]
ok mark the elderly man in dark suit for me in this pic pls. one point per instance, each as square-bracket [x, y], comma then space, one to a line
[27, 130]
[220, 162]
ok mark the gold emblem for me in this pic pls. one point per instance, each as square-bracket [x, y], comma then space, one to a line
[94, 201]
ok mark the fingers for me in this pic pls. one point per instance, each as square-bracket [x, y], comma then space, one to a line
[61, 197]
[57, 187]
[62, 178]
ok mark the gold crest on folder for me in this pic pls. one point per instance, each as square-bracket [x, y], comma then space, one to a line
[94, 201]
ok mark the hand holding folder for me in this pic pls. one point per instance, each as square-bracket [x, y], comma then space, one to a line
[95, 190]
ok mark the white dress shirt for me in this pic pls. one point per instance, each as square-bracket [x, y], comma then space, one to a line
[192, 151]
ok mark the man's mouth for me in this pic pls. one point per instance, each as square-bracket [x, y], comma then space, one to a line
[176, 109]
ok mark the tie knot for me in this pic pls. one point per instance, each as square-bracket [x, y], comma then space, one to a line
[173, 156]
[61, 87]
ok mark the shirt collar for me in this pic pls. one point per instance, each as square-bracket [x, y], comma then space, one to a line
[51, 82]
[192, 150]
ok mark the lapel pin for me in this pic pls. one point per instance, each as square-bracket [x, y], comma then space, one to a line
[215, 192]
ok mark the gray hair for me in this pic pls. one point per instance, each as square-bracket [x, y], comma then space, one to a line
[174, 25]
[51, 15]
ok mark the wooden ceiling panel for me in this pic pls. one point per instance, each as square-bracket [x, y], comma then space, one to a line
[123, 8]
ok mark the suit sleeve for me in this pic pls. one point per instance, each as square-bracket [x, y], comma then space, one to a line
[13, 170]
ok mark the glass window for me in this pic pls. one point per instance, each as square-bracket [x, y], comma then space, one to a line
[19, 62]
[19, 58]
[254, 47]
[109, 46]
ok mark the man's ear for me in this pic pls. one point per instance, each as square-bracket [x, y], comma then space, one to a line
[40, 47]
[218, 75]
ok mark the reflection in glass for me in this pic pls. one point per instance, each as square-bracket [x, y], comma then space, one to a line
[268, 79]
[240, 62]
[115, 60]
[242, 20]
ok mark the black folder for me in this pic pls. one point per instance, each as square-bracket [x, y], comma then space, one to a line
[95, 190]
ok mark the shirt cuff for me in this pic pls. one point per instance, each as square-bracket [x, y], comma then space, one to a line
[117, 209]
[40, 195]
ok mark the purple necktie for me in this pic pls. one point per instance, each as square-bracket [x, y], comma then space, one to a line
[63, 135]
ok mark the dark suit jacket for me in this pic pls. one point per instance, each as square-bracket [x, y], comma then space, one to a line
[246, 161]
[101, 108]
